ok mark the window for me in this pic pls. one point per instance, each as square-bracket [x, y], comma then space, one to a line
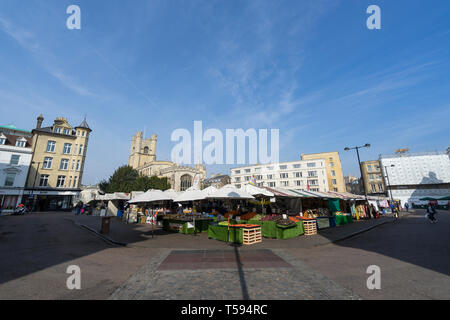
[380, 187]
[270, 176]
[258, 177]
[238, 186]
[14, 159]
[247, 178]
[247, 170]
[298, 183]
[374, 188]
[331, 164]
[257, 169]
[296, 166]
[78, 165]
[67, 148]
[9, 181]
[82, 133]
[369, 167]
[75, 182]
[271, 184]
[21, 143]
[57, 130]
[283, 167]
[47, 163]
[270, 168]
[60, 183]
[298, 174]
[66, 131]
[371, 177]
[312, 173]
[333, 173]
[238, 179]
[2, 140]
[64, 164]
[311, 164]
[186, 182]
[237, 171]
[81, 149]
[333, 181]
[313, 182]
[284, 183]
[51, 146]
[75, 149]
[284, 175]
[43, 182]
[335, 189]
[70, 182]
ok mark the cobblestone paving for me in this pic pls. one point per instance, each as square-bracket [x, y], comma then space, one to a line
[296, 283]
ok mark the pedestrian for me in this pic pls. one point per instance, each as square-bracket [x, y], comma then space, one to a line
[180, 209]
[431, 211]
[374, 211]
[407, 206]
[393, 210]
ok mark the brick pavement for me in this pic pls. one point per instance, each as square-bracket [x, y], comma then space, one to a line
[288, 283]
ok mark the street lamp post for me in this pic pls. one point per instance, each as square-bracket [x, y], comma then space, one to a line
[34, 185]
[389, 184]
[367, 145]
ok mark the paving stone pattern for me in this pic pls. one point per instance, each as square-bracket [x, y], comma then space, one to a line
[287, 279]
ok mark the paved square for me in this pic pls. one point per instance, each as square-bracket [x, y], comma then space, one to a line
[222, 259]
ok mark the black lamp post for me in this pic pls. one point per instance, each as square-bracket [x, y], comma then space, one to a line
[34, 185]
[367, 145]
[387, 176]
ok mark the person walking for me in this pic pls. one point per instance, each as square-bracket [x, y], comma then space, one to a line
[407, 206]
[431, 211]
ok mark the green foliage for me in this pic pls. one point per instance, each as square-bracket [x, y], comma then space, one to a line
[127, 179]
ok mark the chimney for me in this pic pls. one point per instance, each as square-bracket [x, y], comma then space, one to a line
[39, 121]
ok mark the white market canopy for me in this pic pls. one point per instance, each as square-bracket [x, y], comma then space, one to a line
[172, 193]
[191, 195]
[151, 196]
[230, 192]
[210, 190]
[114, 196]
[255, 191]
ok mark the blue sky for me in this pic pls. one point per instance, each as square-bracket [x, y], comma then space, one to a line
[309, 68]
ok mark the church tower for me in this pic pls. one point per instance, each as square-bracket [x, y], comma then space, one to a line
[143, 151]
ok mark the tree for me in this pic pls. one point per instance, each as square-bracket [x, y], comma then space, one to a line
[127, 179]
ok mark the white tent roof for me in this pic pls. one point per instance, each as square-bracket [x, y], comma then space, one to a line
[210, 190]
[254, 191]
[191, 195]
[114, 196]
[151, 196]
[230, 192]
[172, 193]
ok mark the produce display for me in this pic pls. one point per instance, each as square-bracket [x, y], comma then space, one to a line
[280, 221]
[314, 213]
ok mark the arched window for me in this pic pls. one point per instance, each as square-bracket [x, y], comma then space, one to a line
[186, 182]
[146, 150]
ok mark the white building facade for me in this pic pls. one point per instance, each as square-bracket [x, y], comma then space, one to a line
[297, 175]
[417, 175]
[15, 159]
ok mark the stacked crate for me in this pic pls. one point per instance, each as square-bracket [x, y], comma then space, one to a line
[251, 235]
[310, 227]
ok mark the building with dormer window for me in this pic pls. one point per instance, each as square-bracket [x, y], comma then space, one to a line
[56, 170]
[15, 159]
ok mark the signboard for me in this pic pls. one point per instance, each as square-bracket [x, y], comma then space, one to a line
[272, 200]
[196, 181]
[238, 219]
